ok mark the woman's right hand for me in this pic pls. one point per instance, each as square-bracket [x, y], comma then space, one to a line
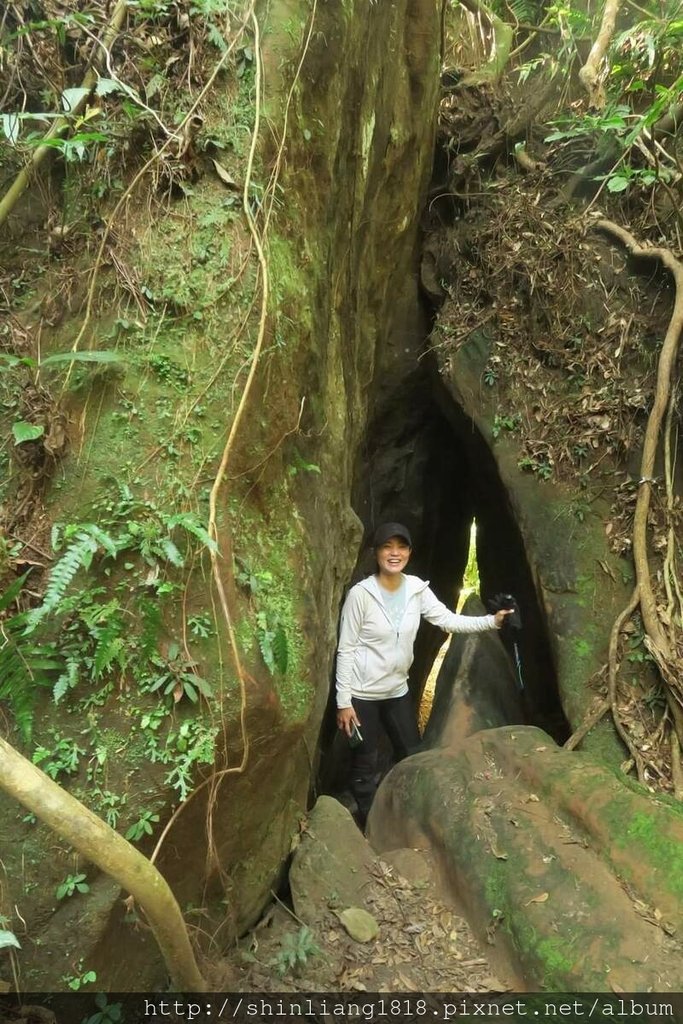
[346, 717]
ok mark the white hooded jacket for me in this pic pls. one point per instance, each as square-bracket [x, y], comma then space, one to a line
[373, 658]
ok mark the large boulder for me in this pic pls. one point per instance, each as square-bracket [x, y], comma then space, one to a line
[574, 873]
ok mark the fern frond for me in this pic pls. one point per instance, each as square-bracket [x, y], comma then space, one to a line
[104, 539]
[171, 552]
[67, 680]
[78, 555]
[110, 648]
[191, 523]
[24, 667]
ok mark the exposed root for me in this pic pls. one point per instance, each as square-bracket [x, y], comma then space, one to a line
[612, 670]
[665, 367]
[590, 721]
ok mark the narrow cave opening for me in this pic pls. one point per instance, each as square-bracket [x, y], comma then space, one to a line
[425, 464]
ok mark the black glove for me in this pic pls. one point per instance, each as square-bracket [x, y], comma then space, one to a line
[502, 602]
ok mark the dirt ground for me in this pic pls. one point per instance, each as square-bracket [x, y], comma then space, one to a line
[302, 944]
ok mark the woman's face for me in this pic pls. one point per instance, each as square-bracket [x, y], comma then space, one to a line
[392, 556]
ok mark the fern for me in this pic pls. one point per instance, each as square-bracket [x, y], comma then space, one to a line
[171, 552]
[110, 648]
[525, 11]
[189, 522]
[24, 664]
[151, 626]
[265, 641]
[67, 680]
[79, 555]
[273, 644]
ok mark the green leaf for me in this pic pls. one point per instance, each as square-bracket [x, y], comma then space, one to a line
[105, 356]
[204, 687]
[171, 552]
[190, 523]
[11, 361]
[8, 939]
[106, 86]
[617, 183]
[12, 592]
[72, 97]
[10, 126]
[24, 431]
[190, 691]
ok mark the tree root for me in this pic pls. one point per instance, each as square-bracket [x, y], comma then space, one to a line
[661, 646]
[589, 722]
[665, 368]
[92, 837]
[612, 669]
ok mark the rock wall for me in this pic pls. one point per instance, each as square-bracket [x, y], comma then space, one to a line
[342, 253]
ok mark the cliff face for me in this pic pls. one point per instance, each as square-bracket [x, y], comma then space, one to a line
[348, 114]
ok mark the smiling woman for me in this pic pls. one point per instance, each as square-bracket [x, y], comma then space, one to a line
[379, 623]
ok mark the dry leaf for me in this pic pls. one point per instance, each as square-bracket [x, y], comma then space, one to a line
[225, 176]
[541, 898]
[532, 798]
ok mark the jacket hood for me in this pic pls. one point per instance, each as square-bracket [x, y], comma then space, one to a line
[413, 584]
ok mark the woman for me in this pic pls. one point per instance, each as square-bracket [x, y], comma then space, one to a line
[379, 622]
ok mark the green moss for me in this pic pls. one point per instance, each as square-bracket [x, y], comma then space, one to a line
[268, 554]
[664, 853]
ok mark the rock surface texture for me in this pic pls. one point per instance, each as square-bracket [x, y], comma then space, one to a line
[575, 875]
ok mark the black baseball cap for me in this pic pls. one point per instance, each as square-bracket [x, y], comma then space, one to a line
[385, 531]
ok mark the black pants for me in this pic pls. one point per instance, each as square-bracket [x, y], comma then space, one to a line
[398, 718]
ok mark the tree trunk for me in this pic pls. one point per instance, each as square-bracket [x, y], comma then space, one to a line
[110, 852]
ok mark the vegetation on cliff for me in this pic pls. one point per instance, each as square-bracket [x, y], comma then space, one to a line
[557, 157]
[166, 416]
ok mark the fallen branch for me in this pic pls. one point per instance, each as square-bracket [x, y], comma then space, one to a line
[588, 723]
[61, 124]
[92, 837]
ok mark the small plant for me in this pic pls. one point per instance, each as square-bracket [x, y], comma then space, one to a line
[77, 981]
[142, 827]
[109, 804]
[63, 758]
[490, 376]
[178, 677]
[295, 951]
[107, 1013]
[71, 885]
[538, 464]
[273, 643]
[8, 939]
[505, 422]
[300, 465]
[200, 626]
[24, 664]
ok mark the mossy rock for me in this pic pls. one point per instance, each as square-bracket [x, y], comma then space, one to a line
[574, 875]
